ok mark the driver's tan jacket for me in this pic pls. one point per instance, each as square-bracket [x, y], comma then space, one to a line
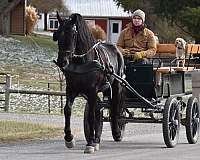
[143, 41]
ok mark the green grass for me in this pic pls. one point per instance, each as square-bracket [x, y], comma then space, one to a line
[11, 131]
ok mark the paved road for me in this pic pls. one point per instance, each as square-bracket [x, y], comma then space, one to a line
[141, 142]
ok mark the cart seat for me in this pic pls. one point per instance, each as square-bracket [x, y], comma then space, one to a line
[164, 69]
[141, 78]
[173, 69]
[183, 69]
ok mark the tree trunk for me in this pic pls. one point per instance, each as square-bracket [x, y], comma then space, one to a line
[45, 21]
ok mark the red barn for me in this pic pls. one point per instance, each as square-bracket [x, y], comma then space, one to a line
[105, 13]
[12, 17]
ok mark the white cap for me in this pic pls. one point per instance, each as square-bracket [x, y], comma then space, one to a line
[139, 13]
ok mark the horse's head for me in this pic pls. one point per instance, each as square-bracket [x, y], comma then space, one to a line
[66, 35]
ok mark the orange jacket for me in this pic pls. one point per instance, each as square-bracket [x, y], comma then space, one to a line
[143, 41]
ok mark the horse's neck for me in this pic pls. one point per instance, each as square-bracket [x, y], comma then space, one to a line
[86, 49]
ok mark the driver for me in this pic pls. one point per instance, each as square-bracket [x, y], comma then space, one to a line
[136, 42]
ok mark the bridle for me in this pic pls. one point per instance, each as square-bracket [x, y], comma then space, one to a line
[95, 47]
[74, 39]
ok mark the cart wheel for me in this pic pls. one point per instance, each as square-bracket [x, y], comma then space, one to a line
[121, 124]
[86, 125]
[192, 120]
[171, 122]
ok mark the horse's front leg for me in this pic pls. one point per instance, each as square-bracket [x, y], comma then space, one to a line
[69, 138]
[90, 147]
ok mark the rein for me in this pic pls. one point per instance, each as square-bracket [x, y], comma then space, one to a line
[82, 55]
[106, 66]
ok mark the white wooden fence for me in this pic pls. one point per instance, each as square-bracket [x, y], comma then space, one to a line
[8, 90]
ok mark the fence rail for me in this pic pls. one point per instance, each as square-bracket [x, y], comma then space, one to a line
[52, 93]
[9, 90]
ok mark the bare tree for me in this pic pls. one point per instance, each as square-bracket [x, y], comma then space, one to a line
[31, 19]
[47, 6]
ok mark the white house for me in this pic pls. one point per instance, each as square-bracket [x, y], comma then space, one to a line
[105, 13]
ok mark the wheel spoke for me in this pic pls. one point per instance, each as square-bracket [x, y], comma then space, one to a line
[196, 120]
[173, 132]
[194, 111]
[195, 123]
[173, 117]
[194, 130]
[174, 113]
[176, 122]
[170, 132]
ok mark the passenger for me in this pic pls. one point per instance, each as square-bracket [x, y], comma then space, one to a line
[136, 42]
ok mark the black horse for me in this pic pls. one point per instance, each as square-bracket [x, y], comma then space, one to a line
[88, 66]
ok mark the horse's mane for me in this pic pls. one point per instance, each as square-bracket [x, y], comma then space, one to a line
[85, 39]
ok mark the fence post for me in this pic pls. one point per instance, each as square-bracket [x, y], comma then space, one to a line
[49, 100]
[61, 97]
[7, 92]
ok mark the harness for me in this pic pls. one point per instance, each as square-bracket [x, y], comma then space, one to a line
[101, 63]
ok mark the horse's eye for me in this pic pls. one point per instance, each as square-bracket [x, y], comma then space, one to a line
[55, 37]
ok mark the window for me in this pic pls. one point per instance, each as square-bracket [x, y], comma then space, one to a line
[53, 24]
[115, 28]
[56, 24]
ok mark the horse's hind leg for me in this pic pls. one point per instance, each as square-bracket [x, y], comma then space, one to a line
[69, 139]
[98, 127]
[116, 106]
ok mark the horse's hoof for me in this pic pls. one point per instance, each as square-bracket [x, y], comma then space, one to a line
[89, 149]
[117, 139]
[96, 147]
[70, 144]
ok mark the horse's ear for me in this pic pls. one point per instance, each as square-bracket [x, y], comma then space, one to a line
[74, 18]
[59, 18]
